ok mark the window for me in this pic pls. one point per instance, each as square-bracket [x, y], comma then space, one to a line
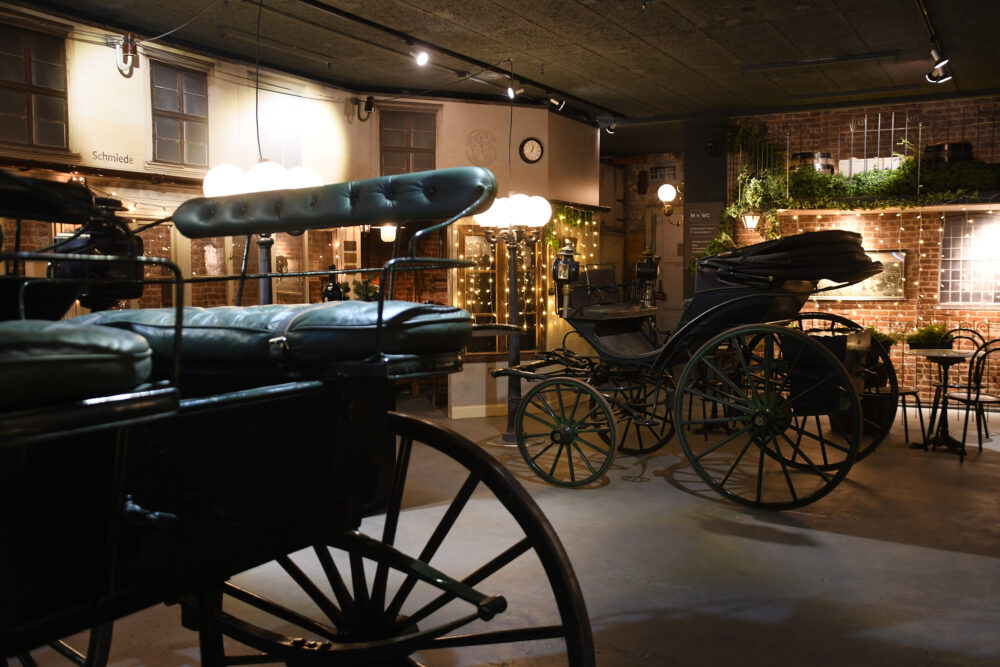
[406, 141]
[180, 115]
[478, 287]
[663, 173]
[970, 260]
[33, 108]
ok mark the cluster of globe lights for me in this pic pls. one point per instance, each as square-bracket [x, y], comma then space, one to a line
[228, 179]
[518, 210]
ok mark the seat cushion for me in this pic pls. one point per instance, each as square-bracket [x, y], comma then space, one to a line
[277, 339]
[43, 362]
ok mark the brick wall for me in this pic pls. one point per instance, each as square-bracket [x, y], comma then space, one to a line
[869, 132]
[409, 285]
[919, 233]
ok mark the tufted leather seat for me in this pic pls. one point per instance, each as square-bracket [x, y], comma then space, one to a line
[301, 340]
[45, 363]
[426, 196]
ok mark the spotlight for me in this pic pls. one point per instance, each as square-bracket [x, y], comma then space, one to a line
[419, 55]
[940, 72]
[610, 129]
[369, 104]
[512, 90]
[557, 103]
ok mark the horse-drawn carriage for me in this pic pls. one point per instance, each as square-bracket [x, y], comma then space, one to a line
[156, 454]
[771, 405]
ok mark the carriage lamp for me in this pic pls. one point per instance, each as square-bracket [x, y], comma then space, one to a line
[647, 270]
[565, 271]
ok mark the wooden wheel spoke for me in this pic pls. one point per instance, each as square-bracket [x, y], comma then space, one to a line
[501, 637]
[818, 437]
[319, 598]
[722, 443]
[441, 531]
[808, 461]
[736, 462]
[279, 611]
[392, 517]
[490, 567]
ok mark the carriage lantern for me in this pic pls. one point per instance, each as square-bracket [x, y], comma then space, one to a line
[647, 269]
[565, 271]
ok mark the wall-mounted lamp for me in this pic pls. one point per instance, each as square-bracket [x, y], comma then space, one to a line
[126, 54]
[940, 72]
[419, 55]
[387, 232]
[557, 103]
[667, 193]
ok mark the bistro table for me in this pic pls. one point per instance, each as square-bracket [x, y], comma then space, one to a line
[945, 359]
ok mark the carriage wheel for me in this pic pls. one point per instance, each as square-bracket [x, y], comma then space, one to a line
[881, 394]
[566, 432]
[403, 589]
[778, 420]
[645, 414]
[98, 649]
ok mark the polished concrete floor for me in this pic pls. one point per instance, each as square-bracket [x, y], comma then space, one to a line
[899, 565]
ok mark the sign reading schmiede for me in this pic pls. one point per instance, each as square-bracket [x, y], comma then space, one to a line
[101, 156]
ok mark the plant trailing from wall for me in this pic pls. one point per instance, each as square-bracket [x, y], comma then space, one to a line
[766, 191]
[565, 216]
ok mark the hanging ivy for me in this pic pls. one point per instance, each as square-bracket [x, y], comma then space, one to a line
[766, 192]
[565, 216]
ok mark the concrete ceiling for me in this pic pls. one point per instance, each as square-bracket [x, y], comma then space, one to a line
[646, 66]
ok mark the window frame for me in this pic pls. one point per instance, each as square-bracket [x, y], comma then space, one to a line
[408, 148]
[58, 33]
[180, 116]
[968, 269]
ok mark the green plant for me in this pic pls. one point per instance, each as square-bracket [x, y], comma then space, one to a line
[935, 332]
[365, 290]
[886, 339]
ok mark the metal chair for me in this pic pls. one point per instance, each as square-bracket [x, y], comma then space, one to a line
[977, 394]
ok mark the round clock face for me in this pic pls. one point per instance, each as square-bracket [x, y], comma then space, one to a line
[531, 150]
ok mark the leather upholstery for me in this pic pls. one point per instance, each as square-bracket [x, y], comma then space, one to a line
[290, 340]
[44, 363]
[427, 196]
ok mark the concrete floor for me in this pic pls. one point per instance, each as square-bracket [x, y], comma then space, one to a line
[900, 564]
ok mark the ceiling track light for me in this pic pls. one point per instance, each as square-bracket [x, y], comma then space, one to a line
[419, 55]
[557, 103]
[610, 129]
[940, 72]
[512, 90]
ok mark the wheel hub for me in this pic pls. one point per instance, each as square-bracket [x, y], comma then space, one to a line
[562, 435]
[762, 419]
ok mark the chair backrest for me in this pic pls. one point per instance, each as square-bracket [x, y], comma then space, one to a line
[602, 281]
[966, 339]
[983, 371]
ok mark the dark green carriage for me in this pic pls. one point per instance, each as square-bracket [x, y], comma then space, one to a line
[767, 402]
[263, 436]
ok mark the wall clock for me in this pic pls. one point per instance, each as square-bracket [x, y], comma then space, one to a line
[531, 150]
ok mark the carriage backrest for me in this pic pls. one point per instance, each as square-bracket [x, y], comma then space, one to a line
[419, 197]
[714, 310]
